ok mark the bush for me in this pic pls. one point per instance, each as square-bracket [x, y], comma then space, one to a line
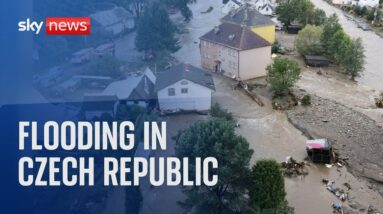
[217, 111]
[282, 75]
[308, 40]
[306, 100]
[276, 48]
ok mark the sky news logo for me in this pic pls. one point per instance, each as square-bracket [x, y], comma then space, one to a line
[57, 26]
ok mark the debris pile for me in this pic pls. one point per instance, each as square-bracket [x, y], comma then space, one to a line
[338, 192]
[293, 168]
[379, 101]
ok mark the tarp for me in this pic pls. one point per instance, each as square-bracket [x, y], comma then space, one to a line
[318, 144]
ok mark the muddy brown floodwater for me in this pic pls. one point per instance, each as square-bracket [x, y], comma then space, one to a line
[269, 132]
[271, 135]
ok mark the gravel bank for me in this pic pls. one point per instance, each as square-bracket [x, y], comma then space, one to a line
[354, 135]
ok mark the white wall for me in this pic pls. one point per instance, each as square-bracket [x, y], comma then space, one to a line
[367, 3]
[197, 98]
[253, 63]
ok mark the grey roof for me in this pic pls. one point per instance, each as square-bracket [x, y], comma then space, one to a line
[247, 16]
[184, 71]
[315, 57]
[133, 87]
[235, 36]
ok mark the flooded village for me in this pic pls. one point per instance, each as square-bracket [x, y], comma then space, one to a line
[222, 58]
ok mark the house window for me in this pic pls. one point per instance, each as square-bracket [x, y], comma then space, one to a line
[184, 90]
[171, 92]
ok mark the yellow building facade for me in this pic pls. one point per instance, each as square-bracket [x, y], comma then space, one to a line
[266, 32]
[252, 19]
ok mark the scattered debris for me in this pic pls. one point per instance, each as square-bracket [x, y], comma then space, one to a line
[293, 168]
[339, 193]
[337, 207]
[372, 210]
[379, 101]
[250, 93]
[347, 185]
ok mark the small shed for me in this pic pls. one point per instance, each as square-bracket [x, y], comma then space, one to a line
[316, 61]
[293, 29]
[319, 150]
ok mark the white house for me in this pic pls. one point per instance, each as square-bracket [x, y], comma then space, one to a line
[184, 87]
[231, 5]
[265, 7]
[366, 3]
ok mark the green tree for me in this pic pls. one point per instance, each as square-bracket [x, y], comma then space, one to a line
[268, 189]
[286, 12]
[182, 5]
[217, 138]
[217, 111]
[318, 17]
[330, 27]
[276, 48]
[289, 11]
[338, 45]
[156, 32]
[304, 10]
[282, 74]
[354, 59]
[308, 40]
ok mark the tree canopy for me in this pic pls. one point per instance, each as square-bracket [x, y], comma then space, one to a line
[268, 188]
[353, 60]
[330, 27]
[282, 75]
[156, 32]
[308, 40]
[217, 138]
[301, 11]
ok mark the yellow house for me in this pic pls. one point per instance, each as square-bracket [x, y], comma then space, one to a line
[251, 18]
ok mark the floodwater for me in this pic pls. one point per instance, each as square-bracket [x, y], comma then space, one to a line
[373, 44]
[269, 132]
[270, 135]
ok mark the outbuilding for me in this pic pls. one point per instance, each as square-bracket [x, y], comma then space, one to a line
[316, 61]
